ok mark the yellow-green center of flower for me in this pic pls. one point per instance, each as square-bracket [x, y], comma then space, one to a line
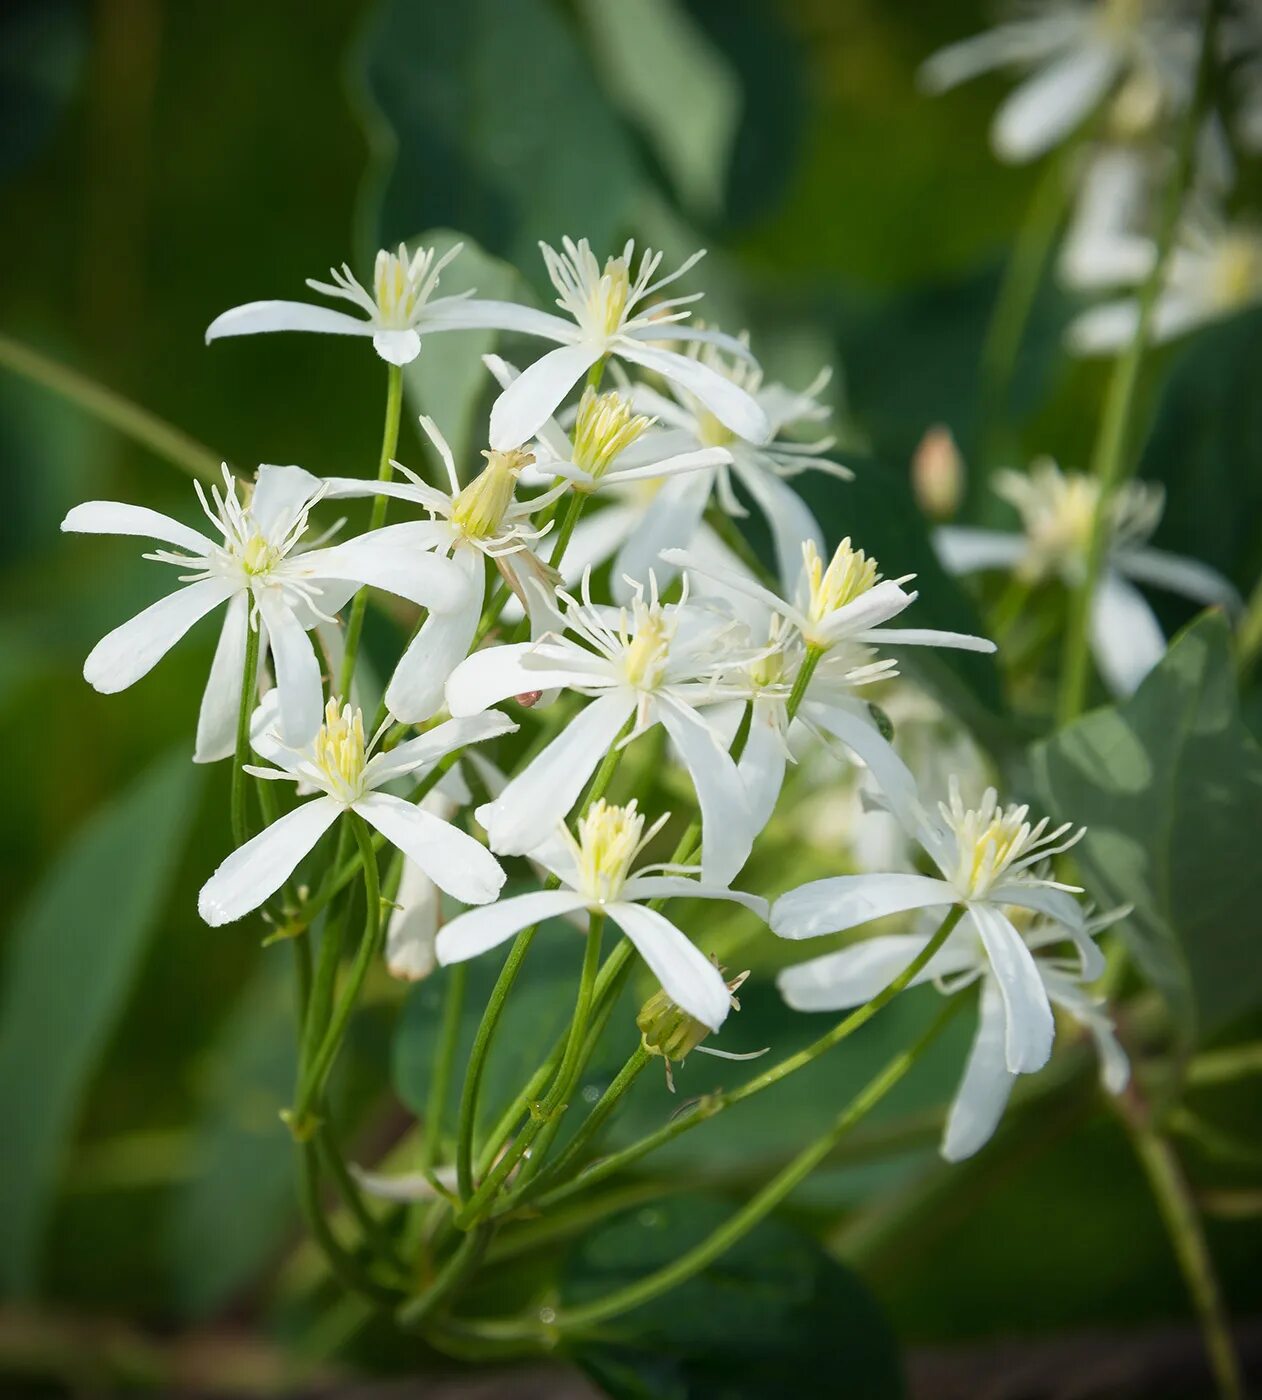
[648, 649]
[339, 750]
[710, 431]
[1236, 278]
[850, 573]
[609, 839]
[607, 302]
[258, 556]
[768, 670]
[395, 288]
[478, 510]
[605, 427]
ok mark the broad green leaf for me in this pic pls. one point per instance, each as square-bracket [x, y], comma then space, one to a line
[493, 123]
[772, 1316]
[71, 961]
[42, 47]
[449, 383]
[1169, 786]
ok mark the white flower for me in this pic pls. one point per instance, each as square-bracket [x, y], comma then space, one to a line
[838, 981]
[344, 769]
[400, 308]
[1077, 53]
[1057, 509]
[1215, 271]
[595, 872]
[830, 708]
[610, 314]
[470, 524]
[259, 567]
[652, 661]
[988, 858]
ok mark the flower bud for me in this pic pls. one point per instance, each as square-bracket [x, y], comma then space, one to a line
[669, 1031]
[604, 428]
[937, 474]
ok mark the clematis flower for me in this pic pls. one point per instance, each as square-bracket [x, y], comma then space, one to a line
[469, 525]
[349, 776]
[651, 662]
[259, 567]
[1077, 53]
[595, 874]
[841, 980]
[832, 708]
[1057, 510]
[988, 858]
[610, 315]
[399, 309]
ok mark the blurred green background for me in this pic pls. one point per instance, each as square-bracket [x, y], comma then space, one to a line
[162, 162]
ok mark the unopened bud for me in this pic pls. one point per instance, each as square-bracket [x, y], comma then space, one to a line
[669, 1031]
[479, 508]
[528, 698]
[937, 474]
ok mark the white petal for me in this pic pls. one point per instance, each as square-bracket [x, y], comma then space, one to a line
[297, 671]
[118, 518]
[476, 930]
[221, 700]
[727, 828]
[257, 317]
[436, 743]
[665, 528]
[926, 637]
[645, 887]
[397, 347]
[1126, 638]
[260, 867]
[762, 764]
[495, 673]
[664, 466]
[1030, 1028]
[962, 549]
[856, 730]
[967, 58]
[456, 863]
[1104, 329]
[413, 927]
[887, 599]
[729, 403]
[529, 401]
[416, 689]
[654, 331]
[120, 658]
[1051, 103]
[983, 1093]
[854, 975]
[541, 795]
[596, 536]
[470, 313]
[1175, 572]
[428, 580]
[788, 515]
[739, 582]
[843, 901]
[279, 494]
[687, 976]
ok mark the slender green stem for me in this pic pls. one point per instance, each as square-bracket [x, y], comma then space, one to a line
[457, 1268]
[803, 678]
[1009, 607]
[245, 709]
[374, 1231]
[596, 374]
[1175, 1201]
[317, 1073]
[161, 438]
[380, 505]
[1249, 634]
[440, 1079]
[574, 505]
[694, 1260]
[1224, 1066]
[1110, 460]
[348, 1271]
[600, 1114]
[713, 1104]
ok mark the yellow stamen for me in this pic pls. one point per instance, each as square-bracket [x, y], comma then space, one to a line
[644, 662]
[609, 839]
[608, 302]
[850, 573]
[605, 427]
[339, 749]
[479, 509]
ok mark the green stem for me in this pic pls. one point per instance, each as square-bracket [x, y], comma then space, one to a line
[574, 506]
[1249, 635]
[312, 1086]
[344, 1266]
[600, 1114]
[128, 418]
[1224, 1066]
[245, 709]
[713, 1104]
[461, 1264]
[694, 1260]
[1110, 464]
[1174, 1198]
[440, 1079]
[806, 670]
[374, 1232]
[380, 505]
[1011, 603]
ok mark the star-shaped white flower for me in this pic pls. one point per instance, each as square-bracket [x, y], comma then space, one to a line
[1057, 510]
[656, 662]
[349, 776]
[610, 313]
[841, 980]
[400, 308]
[595, 874]
[988, 858]
[260, 569]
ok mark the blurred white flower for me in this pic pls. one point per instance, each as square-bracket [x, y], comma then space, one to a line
[341, 766]
[259, 567]
[841, 980]
[1076, 53]
[399, 309]
[595, 873]
[654, 662]
[1057, 510]
[610, 314]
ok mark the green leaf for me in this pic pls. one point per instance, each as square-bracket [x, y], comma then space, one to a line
[450, 383]
[71, 961]
[493, 123]
[1169, 785]
[42, 47]
[772, 1316]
